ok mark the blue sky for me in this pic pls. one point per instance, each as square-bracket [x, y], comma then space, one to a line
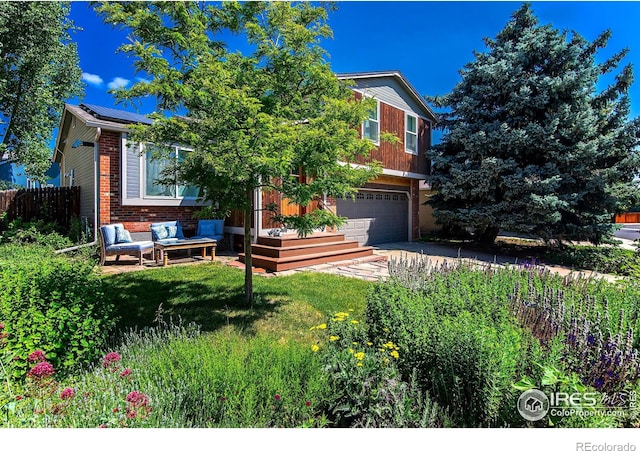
[428, 41]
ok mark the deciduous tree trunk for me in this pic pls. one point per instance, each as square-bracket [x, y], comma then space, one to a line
[248, 273]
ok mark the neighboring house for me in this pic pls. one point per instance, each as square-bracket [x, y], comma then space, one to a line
[117, 178]
[16, 176]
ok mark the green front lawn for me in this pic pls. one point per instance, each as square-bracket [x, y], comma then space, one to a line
[211, 295]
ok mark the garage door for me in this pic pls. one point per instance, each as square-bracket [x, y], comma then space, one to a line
[375, 217]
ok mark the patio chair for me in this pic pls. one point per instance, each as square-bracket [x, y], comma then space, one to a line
[210, 228]
[116, 240]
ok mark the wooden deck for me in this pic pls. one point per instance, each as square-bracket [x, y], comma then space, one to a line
[290, 251]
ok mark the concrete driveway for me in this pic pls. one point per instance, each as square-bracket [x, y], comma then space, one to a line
[438, 252]
[628, 232]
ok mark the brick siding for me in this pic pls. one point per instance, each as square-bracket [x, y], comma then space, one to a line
[134, 218]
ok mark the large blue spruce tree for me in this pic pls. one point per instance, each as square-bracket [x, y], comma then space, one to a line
[530, 144]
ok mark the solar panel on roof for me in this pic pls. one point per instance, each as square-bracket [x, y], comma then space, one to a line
[112, 114]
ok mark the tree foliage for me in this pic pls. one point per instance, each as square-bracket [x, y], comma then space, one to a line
[39, 69]
[531, 145]
[253, 119]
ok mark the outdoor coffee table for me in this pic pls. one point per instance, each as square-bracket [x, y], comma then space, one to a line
[161, 250]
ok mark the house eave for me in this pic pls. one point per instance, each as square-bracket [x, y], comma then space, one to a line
[403, 81]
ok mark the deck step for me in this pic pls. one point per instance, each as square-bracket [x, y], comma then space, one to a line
[300, 261]
[292, 239]
[302, 249]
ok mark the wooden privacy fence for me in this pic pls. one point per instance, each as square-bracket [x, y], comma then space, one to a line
[625, 218]
[49, 204]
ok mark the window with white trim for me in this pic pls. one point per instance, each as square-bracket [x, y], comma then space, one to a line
[371, 127]
[152, 171]
[411, 134]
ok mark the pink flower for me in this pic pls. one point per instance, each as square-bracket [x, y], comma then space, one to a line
[67, 393]
[126, 372]
[103, 426]
[307, 403]
[110, 359]
[36, 356]
[1, 326]
[278, 397]
[223, 399]
[41, 370]
[116, 410]
[131, 413]
[137, 398]
[18, 398]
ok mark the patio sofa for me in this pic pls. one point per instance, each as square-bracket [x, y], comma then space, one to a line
[116, 240]
[167, 231]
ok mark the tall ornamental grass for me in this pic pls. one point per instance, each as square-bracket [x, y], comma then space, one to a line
[173, 376]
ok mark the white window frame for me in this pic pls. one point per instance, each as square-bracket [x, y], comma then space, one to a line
[143, 199]
[407, 132]
[143, 178]
[377, 121]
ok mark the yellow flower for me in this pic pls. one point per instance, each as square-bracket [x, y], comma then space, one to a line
[369, 343]
[354, 321]
[359, 364]
[355, 343]
[388, 345]
[340, 316]
[321, 326]
[315, 348]
[351, 351]
[351, 310]
[359, 355]
[394, 354]
[334, 338]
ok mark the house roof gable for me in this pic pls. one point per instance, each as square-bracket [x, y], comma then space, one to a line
[98, 117]
[400, 78]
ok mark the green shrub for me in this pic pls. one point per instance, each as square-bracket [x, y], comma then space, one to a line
[466, 360]
[38, 232]
[471, 329]
[366, 387]
[605, 259]
[54, 304]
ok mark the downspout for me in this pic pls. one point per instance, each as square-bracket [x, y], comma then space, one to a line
[258, 215]
[96, 187]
